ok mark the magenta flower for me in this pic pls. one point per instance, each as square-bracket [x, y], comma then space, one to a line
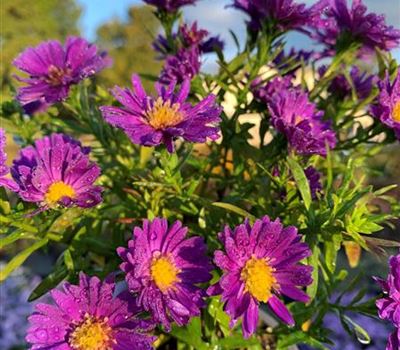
[164, 269]
[169, 5]
[389, 305]
[56, 170]
[53, 68]
[334, 21]
[286, 14]
[265, 92]
[150, 121]
[184, 65]
[88, 316]
[295, 116]
[387, 107]
[4, 169]
[260, 263]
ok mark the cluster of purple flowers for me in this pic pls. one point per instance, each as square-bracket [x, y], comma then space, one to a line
[389, 305]
[166, 274]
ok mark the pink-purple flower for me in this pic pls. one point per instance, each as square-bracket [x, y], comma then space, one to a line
[151, 121]
[261, 262]
[89, 316]
[165, 268]
[4, 169]
[335, 23]
[314, 181]
[169, 5]
[387, 106]
[57, 170]
[295, 116]
[285, 14]
[389, 305]
[53, 68]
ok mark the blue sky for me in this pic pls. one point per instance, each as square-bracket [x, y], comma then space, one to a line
[213, 15]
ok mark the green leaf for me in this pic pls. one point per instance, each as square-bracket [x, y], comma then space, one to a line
[313, 261]
[236, 341]
[51, 281]
[191, 334]
[301, 181]
[361, 334]
[296, 338]
[235, 209]
[19, 259]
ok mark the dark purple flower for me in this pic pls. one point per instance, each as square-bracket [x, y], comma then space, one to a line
[88, 316]
[57, 170]
[53, 68]
[260, 263]
[151, 121]
[184, 65]
[4, 169]
[169, 5]
[295, 116]
[314, 180]
[265, 92]
[334, 21]
[389, 305]
[192, 35]
[164, 268]
[283, 60]
[387, 107]
[361, 81]
[286, 14]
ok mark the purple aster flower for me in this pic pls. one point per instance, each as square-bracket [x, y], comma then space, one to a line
[295, 116]
[283, 61]
[4, 169]
[53, 68]
[184, 65]
[150, 121]
[265, 92]
[389, 305]
[164, 269]
[169, 5]
[314, 180]
[341, 88]
[89, 316]
[56, 170]
[286, 14]
[387, 108]
[261, 263]
[333, 21]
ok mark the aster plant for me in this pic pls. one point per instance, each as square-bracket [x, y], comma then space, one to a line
[242, 208]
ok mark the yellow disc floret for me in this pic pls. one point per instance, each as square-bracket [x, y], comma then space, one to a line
[57, 191]
[164, 273]
[396, 112]
[258, 278]
[92, 334]
[164, 115]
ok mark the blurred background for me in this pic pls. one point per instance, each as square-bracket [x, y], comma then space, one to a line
[126, 29]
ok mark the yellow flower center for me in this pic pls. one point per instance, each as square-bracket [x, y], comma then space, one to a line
[92, 334]
[396, 112]
[55, 75]
[164, 115]
[164, 273]
[57, 191]
[259, 279]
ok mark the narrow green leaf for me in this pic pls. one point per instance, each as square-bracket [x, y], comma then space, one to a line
[19, 259]
[235, 209]
[301, 181]
[51, 281]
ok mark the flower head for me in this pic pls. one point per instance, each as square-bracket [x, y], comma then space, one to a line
[150, 121]
[389, 305]
[260, 263]
[53, 68]
[169, 5]
[295, 116]
[286, 14]
[387, 107]
[4, 169]
[164, 269]
[334, 21]
[184, 65]
[265, 92]
[56, 170]
[88, 316]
